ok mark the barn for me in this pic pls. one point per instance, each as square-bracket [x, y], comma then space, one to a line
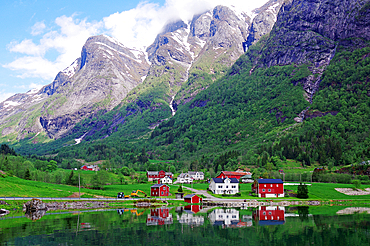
[192, 198]
[160, 190]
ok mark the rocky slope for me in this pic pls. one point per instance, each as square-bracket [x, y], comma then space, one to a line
[310, 31]
[99, 79]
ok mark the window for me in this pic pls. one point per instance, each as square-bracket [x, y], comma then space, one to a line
[264, 185]
[269, 190]
[162, 193]
[234, 216]
[220, 186]
[227, 186]
[263, 190]
[264, 213]
[269, 213]
[234, 186]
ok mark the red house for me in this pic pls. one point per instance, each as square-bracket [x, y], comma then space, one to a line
[268, 187]
[193, 209]
[155, 175]
[272, 215]
[159, 216]
[160, 190]
[192, 198]
[230, 174]
[90, 168]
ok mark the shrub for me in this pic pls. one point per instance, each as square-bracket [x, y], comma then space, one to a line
[302, 191]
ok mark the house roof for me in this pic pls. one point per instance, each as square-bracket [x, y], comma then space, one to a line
[194, 173]
[158, 185]
[221, 180]
[166, 177]
[248, 176]
[190, 195]
[184, 175]
[270, 181]
[235, 173]
[152, 172]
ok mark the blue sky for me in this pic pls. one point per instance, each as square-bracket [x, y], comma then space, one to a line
[40, 38]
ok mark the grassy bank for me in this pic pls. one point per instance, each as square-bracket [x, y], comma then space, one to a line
[16, 187]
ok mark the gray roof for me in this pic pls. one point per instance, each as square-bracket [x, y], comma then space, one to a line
[158, 185]
[190, 195]
[195, 172]
[183, 175]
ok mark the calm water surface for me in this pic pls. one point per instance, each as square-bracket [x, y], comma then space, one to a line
[192, 225]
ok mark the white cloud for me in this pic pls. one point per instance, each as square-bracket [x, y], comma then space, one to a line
[38, 28]
[138, 27]
[67, 41]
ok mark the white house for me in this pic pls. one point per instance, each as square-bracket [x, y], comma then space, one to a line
[224, 186]
[190, 219]
[224, 217]
[196, 175]
[184, 178]
[166, 180]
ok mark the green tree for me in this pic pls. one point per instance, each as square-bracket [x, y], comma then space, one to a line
[302, 191]
[356, 183]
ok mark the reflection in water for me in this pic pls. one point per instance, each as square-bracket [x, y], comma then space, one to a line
[159, 216]
[35, 215]
[109, 228]
[269, 215]
[227, 218]
[186, 215]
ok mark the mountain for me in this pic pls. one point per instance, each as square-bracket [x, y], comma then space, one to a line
[184, 59]
[301, 92]
[99, 79]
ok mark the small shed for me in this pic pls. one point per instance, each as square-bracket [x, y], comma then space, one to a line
[193, 198]
[160, 190]
[179, 195]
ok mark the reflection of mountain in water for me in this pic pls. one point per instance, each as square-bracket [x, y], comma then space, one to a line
[159, 216]
[269, 215]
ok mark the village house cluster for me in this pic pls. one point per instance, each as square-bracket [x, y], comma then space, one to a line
[226, 182]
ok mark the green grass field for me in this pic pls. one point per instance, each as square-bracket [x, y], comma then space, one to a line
[16, 187]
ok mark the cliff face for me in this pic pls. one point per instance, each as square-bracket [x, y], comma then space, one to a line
[310, 31]
[99, 79]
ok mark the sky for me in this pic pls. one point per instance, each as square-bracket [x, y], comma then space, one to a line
[40, 38]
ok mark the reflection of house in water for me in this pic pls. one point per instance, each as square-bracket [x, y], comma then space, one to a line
[226, 218]
[188, 217]
[159, 216]
[269, 215]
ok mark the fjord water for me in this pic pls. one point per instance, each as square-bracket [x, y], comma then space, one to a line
[189, 226]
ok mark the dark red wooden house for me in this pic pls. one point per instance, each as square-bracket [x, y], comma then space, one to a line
[268, 187]
[192, 198]
[155, 175]
[160, 190]
[271, 215]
